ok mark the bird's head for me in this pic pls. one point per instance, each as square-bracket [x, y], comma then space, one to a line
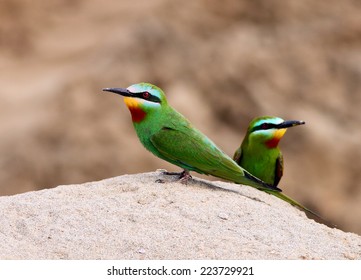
[141, 99]
[269, 130]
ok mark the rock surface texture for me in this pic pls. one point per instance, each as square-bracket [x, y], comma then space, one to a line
[136, 217]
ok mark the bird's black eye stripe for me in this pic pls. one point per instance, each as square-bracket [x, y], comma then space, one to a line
[264, 126]
[147, 96]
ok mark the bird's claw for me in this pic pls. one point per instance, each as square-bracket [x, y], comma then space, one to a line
[183, 176]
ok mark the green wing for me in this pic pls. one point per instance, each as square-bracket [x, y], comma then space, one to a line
[191, 150]
[278, 169]
[237, 157]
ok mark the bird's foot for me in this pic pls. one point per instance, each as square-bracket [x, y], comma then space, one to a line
[183, 176]
[172, 173]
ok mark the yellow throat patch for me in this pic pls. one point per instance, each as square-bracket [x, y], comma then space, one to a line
[276, 138]
[134, 106]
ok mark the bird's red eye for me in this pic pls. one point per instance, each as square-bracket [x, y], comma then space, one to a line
[146, 95]
[264, 126]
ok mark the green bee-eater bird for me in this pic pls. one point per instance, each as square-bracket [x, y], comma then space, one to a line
[171, 137]
[259, 152]
[260, 155]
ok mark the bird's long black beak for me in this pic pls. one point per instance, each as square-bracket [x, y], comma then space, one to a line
[287, 124]
[121, 91]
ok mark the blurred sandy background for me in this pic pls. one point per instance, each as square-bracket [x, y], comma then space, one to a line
[221, 63]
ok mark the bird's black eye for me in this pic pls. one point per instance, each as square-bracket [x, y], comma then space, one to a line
[146, 95]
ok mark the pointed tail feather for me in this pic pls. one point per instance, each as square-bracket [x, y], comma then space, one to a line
[294, 203]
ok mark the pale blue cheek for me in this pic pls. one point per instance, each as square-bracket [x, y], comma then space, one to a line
[152, 105]
[262, 135]
[151, 108]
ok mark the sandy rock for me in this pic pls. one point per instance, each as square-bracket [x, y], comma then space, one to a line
[134, 217]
